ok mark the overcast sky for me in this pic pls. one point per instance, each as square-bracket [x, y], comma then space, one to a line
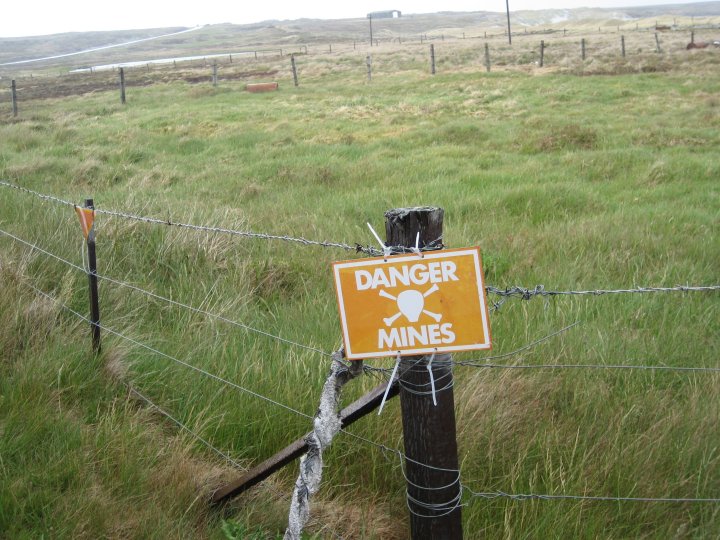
[39, 17]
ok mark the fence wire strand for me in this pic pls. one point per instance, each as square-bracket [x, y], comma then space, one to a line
[164, 299]
[544, 497]
[182, 426]
[168, 356]
[599, 366]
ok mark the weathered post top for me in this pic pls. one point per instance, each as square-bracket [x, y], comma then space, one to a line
[403, 224]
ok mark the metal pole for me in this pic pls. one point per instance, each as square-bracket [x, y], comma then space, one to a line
[122, 86]
[507, 6]
[294, 69]
[14, 98]
[93, 285]
[429, 432]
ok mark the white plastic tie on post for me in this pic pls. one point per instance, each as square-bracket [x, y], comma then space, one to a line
[387, 250]
[416, 249]
[390, 383]
[432, 378]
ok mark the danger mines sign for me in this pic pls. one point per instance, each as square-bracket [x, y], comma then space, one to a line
[411, 305]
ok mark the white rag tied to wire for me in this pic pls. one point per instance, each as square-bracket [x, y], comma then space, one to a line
[326, 425]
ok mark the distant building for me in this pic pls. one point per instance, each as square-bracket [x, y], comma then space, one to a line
[392, 14]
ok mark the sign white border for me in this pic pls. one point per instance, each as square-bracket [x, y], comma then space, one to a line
[427, 255]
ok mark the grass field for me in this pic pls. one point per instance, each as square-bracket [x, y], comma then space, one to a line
[573, 182]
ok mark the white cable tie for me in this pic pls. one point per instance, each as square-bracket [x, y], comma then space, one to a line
[416, 249]
[432, 378]
[390, 383]
[387, 250]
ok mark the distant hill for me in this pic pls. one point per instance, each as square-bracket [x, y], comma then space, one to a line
[223, 38]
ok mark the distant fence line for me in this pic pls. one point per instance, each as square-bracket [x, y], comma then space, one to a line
[347, 45]
[541, 54]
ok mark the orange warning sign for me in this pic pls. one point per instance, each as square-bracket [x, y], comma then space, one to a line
[411, 305]
[87, 218]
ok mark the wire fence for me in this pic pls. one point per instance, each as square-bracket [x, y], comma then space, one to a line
[417, 506]
[604, 51]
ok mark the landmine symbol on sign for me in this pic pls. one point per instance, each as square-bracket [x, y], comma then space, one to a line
[411, 304]
[437, 304]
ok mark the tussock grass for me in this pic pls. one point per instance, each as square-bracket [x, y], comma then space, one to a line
[572, 182]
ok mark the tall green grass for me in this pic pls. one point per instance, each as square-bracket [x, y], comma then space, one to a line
[571, 182]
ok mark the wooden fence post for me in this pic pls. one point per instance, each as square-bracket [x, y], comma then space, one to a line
[432, 59]
[214, 76]
[487, 58]
[692, 36]
[657, 43]
[582, 48]
[542, 52]
[14, 98]
[368, 63]
[294, 69]
[429, 430]
[122, 86]
[93, 285]
[622, 45]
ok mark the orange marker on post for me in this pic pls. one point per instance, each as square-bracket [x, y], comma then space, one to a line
[87, 218]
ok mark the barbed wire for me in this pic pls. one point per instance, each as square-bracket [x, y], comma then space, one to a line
[165, 299]
[523, 293]
[539, 290]
[357, 248]
[36, 193]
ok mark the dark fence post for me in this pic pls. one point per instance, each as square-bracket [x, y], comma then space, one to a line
[368, 62]
[692, 36]
[622, 45]
[657, 43]
[429, 430]
[14, 98]
[487, 58]
[294, 69]
[582, 48]
[93, 284]
[542, 53]
[432, 59]
[214, 76]
[122, 86]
